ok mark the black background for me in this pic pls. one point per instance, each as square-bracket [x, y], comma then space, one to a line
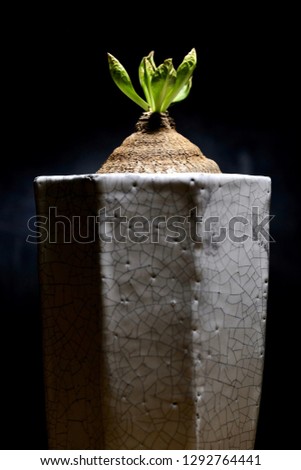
[66, 116]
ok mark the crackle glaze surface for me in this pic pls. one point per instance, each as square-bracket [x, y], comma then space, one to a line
[153, 343]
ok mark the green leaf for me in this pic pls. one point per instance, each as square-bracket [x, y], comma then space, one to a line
[123, 81]
[184, 73]
[146, 70]
[151, 60]
[184, 92]
[162, 83]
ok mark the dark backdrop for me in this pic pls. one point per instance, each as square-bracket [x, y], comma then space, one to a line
[67, 117]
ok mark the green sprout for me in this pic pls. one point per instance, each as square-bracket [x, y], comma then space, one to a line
[162, 85]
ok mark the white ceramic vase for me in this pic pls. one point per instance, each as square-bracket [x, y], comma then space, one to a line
[154, 294]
